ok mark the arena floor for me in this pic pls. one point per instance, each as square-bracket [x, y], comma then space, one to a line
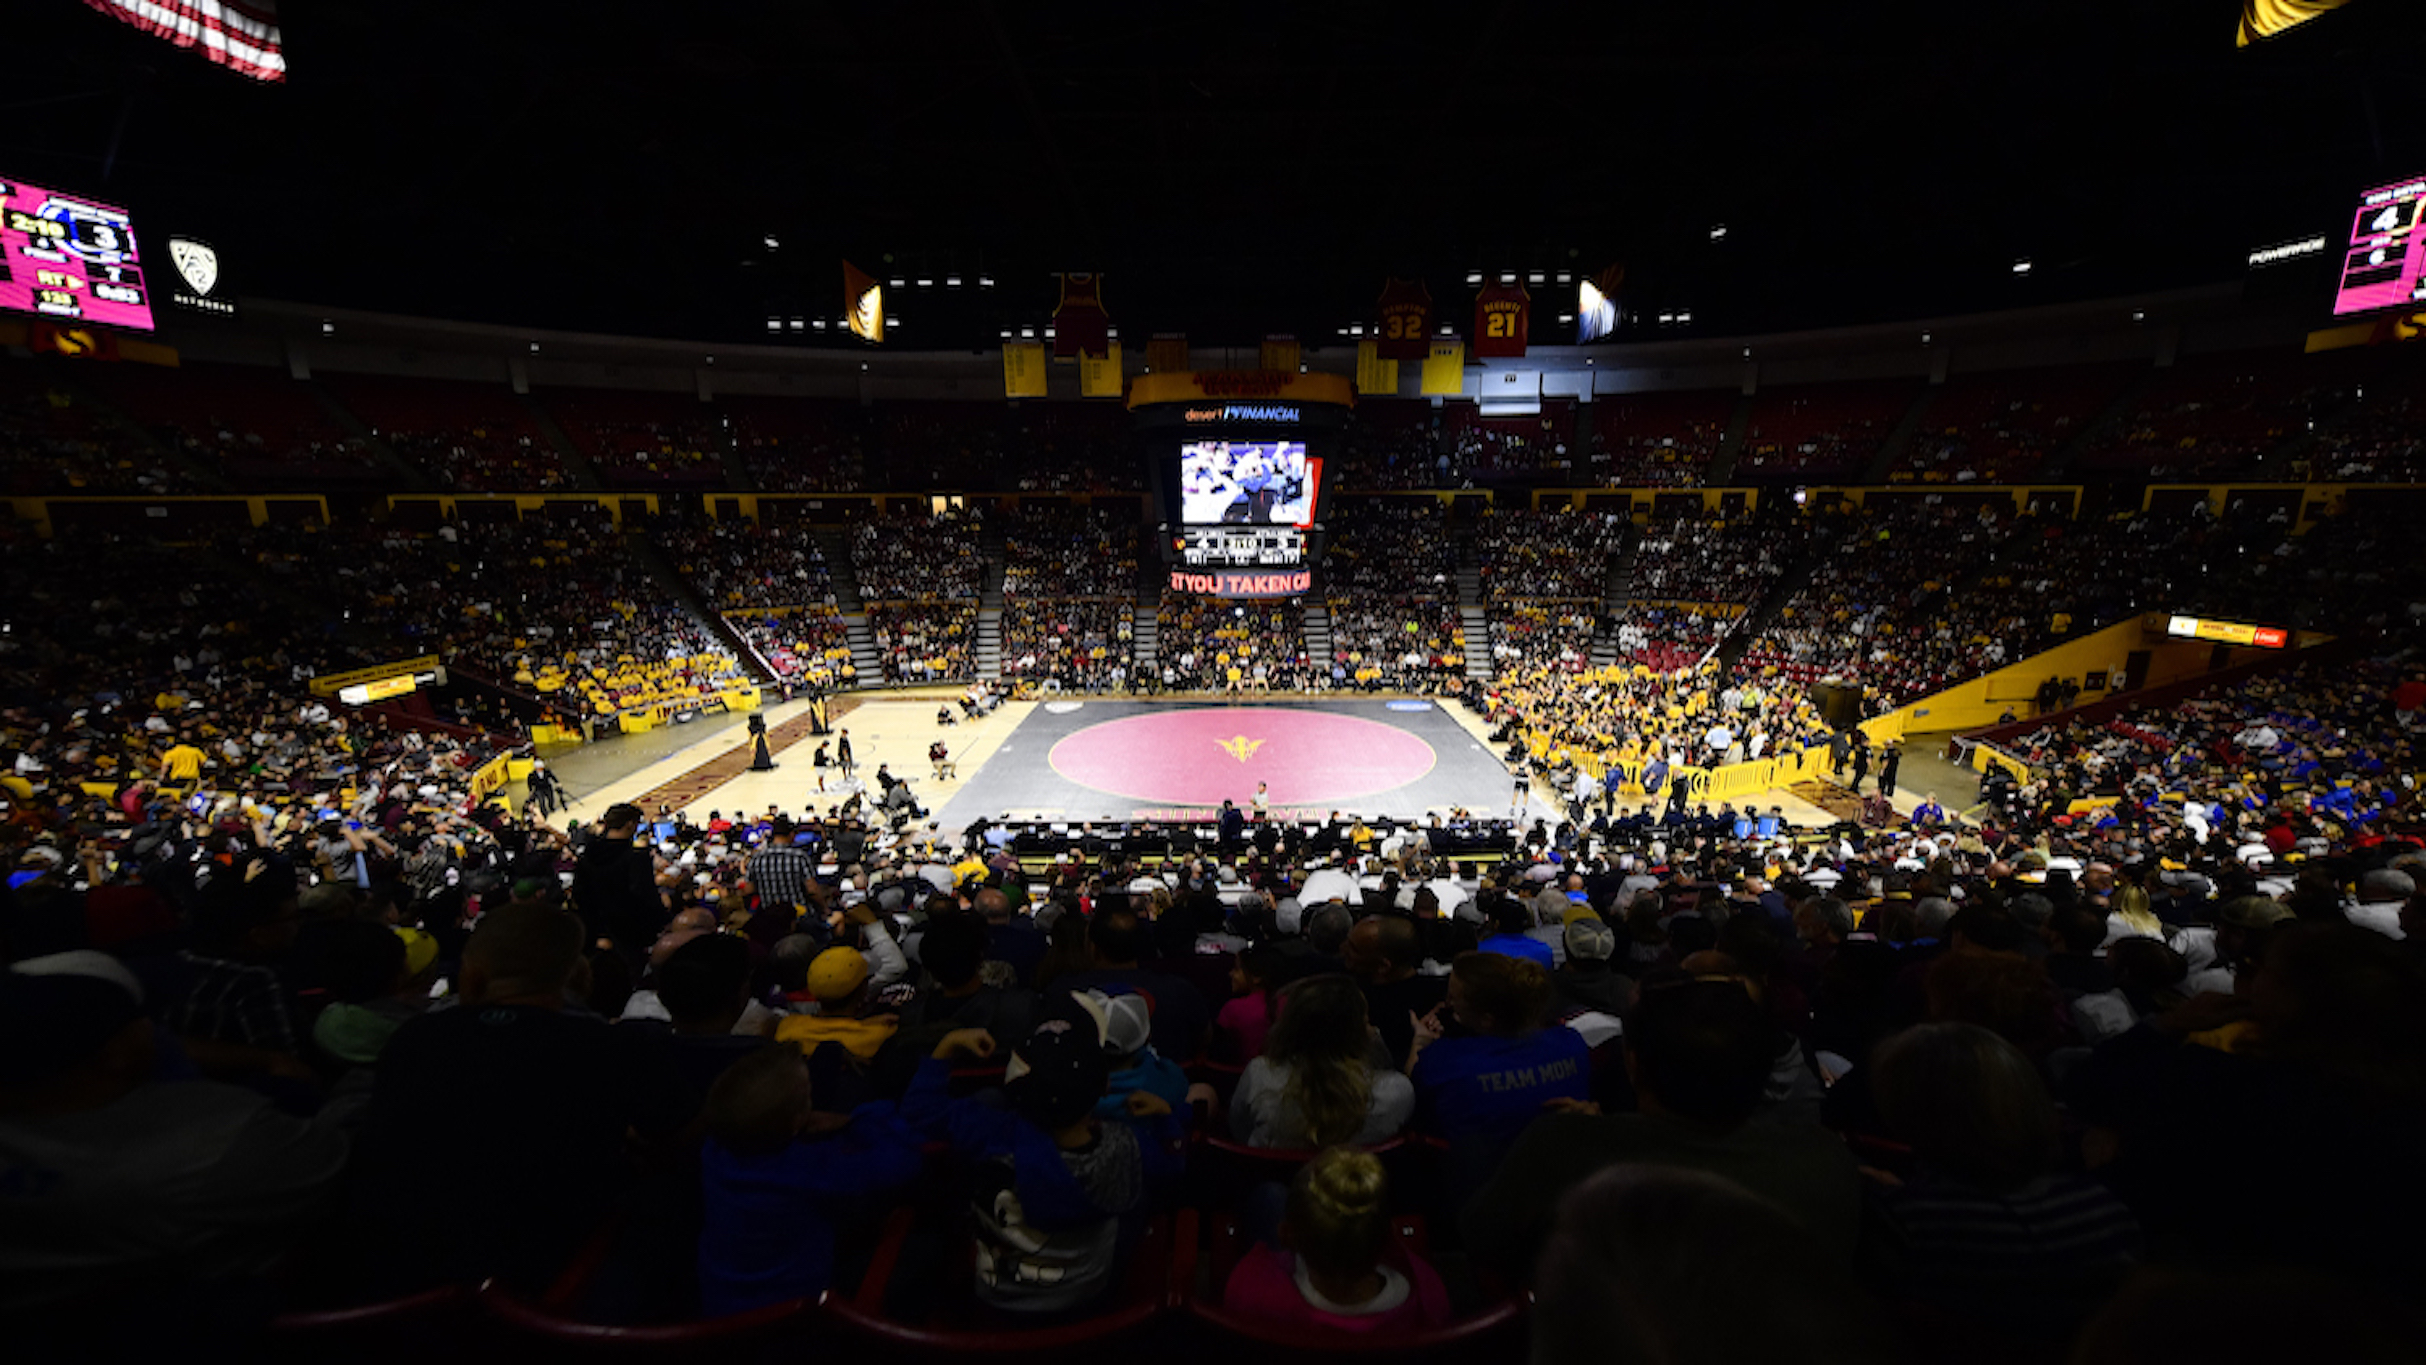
[1086, 759]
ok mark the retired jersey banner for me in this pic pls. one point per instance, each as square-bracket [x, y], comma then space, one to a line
[1403, 319]
[1375, 375]
[1503, 315]
[1099, 375]
[1167, 353]
[1445, 369]
[1023, 369]
[1280, 353]
[1080, 324]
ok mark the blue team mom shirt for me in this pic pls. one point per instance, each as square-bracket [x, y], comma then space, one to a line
[1492, 1087]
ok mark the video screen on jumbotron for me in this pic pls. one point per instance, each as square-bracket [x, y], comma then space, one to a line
[2385, 266]
[1259, 483]
[69, 258]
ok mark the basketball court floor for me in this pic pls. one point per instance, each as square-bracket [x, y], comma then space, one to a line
[1086, 759]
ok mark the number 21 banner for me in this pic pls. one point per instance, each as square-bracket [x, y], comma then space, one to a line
[1503, 315]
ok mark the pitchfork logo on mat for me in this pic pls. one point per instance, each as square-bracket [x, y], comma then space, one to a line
[1240, 747]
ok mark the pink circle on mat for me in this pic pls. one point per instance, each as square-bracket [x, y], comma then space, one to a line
[1202, 755]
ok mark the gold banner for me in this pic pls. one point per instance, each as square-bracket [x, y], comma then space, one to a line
[1023, 369]
[1167, 353]
[328, 684]
[1445, 370]
[1374, 375]
[1241, 386]
[1282, 354]
[1099, 375]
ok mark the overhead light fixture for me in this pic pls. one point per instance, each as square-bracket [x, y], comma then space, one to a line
[899, 283]
[1357, 330]
[1536, 277]
[1507, 277]
[534, 348]
[1474, 277]
[774, 324]
[952, 281]
[1718, 232]
[327, 327]
[1566, 277]
[1684, 317]
[1006, 334]
[800, 324]
[711, 360]
[772, 244]
[1027, 332]
[1747, 353]
[2138, 316]
[1924, 338]
[985, 282]
[819, 324]
[2022, 266]
[926, 284]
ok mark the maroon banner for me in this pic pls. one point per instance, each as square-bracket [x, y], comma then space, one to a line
[1079, 320]
[1402, 320]
[1503, 319]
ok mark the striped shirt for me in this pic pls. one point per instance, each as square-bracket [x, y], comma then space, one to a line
[234, 1002]
[1978, 1250]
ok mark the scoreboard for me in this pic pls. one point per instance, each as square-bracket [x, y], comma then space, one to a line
[1240, 561]
[1239, 547]
[70, 259]
[2385, 264]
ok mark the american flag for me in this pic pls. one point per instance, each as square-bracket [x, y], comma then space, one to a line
[241, 35]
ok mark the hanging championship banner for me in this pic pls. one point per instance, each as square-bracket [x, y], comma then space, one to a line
[1280, 353]
[1167, 353]
[1375, 375]
[1023, 369]
[1099, 375]
[1080, 324]
[1445, 369]
[862, 303]
[1403, 319]
[1502, 317]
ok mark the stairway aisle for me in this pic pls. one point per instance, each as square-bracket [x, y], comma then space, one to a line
[1473, 625]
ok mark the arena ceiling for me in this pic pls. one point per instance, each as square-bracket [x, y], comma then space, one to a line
[1234, 169]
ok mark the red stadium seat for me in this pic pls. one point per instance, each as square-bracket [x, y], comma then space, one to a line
[969, 1330]
[1495, 1332]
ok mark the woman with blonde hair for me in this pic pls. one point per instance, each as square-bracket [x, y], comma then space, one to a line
[1334, 1263]
[1315, 1085]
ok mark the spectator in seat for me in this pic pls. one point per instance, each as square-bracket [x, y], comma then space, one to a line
[1661, 1262]
[525, 1104]
[1700, 1054]
[1986, 1227]
[1127, 1022]
[777, 1176]
[2331, 1063]
[615, 884]
[1512, 925]
[1240, 1029]
[1505, 1067]
[232, 1011]
[1334, 1264]
[1116, 938]
[1587, 981]
[1385, 953]
[1060, 1193]
[1314, 1085]
[957, 995]
[125, 1182]
[852, 1043]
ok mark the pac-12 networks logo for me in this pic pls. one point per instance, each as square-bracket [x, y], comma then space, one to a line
[1244, 412]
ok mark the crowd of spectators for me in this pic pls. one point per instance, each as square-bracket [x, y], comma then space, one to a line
[772, 585]
[1390, 587]
[1658, 440]
[256, 427]
[1863, 614]
[2001, 427]
[52, 441]
[1543, 578]
[919, 574]
[1069, 579]
[1820, 431]
[557, 608]
[645, 440]
[1206, 644]
[466, 437]
[267, 956]
[1695, 1040]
